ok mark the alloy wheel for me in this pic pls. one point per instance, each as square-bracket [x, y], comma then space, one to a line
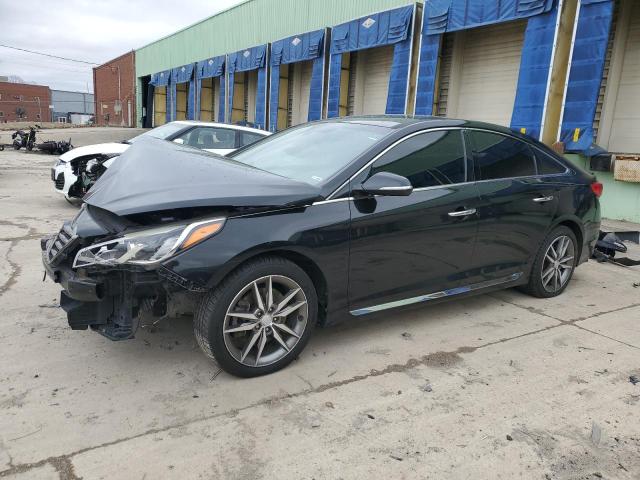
[265, 320]
[558, 264]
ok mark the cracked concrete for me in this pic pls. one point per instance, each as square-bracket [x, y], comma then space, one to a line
[516, 385]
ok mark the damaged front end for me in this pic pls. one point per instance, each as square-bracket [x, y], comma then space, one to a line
[87, 169]
[112, 273]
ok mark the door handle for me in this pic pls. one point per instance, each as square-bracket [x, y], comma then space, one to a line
[543, 199]
[462, 213]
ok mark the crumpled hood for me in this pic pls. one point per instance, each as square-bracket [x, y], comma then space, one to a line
[97, 149]
[154, 175]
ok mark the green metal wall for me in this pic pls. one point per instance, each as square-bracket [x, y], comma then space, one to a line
[251, 23]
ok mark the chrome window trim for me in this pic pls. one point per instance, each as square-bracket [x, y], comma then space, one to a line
[402, 188]
[436, 295]
[333, 200]
[467, 156]
[421, 189]
[446, 185]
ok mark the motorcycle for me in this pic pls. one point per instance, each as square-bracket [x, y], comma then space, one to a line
[22, 139]
[27, 140]
[52, 147]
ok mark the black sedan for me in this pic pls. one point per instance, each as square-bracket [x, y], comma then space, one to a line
[317, 224]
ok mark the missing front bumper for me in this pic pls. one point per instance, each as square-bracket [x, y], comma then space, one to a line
[108, 302]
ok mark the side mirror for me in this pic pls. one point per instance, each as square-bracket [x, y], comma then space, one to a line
[386, 184]
[179, 141]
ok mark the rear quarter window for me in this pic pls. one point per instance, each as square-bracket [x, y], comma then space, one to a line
[499, 156]
[547, 165]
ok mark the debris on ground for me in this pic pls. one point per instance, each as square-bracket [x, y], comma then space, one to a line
[634, 379]
[509, 437]
[611, 242]
[427, 388]
[406, 335]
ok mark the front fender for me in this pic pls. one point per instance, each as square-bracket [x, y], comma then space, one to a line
[319, 233]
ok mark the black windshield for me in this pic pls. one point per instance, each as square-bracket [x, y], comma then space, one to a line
[314, 152]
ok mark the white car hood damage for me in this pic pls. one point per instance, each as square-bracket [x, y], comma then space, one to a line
[97, 149]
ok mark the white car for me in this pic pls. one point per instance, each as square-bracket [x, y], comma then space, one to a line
[77, 170]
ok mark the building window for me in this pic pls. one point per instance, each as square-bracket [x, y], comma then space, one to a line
[1, 114]
[37, 116]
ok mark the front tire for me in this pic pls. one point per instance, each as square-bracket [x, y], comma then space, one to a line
[76, 202]
[554, 264]
[259, 318]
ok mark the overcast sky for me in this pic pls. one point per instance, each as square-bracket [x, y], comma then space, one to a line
[90, 30]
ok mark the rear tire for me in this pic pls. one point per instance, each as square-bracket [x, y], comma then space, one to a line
[554, 264]
[260, 341]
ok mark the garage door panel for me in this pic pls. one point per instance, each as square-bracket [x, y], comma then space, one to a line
[305, 90]
[377, 69]
[251, 95]
[489, 66]
[302, 82]
[626, 117]
[159, 106]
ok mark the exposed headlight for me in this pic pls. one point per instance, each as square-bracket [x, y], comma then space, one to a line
[59, 162]
[147, 247]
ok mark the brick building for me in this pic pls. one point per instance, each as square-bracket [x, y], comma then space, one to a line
[114, 89]
[21, 102]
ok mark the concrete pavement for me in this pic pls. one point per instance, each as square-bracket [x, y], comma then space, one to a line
[496, 386]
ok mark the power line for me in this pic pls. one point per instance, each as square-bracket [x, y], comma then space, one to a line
[48, 55]
[50, 62]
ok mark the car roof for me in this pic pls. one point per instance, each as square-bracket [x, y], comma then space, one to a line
[422, 121]
[222, 125]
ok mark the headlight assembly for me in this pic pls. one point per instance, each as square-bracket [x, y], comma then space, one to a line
[147, 247]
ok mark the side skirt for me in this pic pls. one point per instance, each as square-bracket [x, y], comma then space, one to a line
[437, 295]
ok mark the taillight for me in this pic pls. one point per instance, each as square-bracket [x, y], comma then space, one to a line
[596, 188]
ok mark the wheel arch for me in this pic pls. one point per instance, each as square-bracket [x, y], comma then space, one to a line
[305, 262]
[575, 226]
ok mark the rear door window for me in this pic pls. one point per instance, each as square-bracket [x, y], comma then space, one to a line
[499, 156]
[247, 138]
[427, 160]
